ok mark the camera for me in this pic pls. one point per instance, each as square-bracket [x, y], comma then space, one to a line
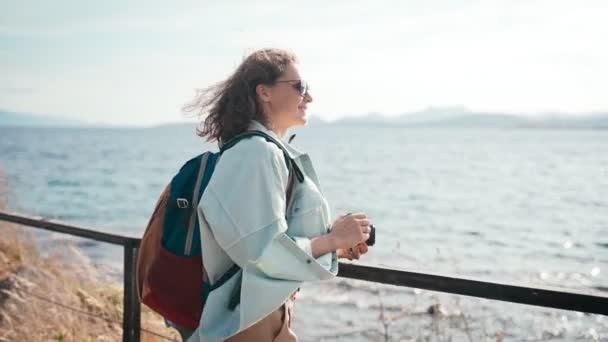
[372, 236]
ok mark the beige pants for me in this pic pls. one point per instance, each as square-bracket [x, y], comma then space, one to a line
[275, 327]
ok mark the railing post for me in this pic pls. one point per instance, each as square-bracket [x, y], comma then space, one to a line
[131, 306]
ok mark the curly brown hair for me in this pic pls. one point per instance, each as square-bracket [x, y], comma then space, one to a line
[229, 107]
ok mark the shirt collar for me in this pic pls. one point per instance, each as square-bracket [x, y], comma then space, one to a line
[257, 126]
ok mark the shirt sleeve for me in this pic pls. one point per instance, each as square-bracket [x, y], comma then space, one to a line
[244, 205]
[328, 261]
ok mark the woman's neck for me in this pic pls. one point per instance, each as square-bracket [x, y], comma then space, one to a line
[276, 129]
[280, 133]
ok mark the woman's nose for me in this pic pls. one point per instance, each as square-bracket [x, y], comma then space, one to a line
[307, 97]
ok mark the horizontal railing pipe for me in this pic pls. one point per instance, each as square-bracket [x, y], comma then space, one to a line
[565, 299]
[59, 227]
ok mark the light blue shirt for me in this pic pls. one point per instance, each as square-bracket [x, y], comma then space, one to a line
[243, 220]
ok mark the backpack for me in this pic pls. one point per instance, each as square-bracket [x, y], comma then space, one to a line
[170, 276]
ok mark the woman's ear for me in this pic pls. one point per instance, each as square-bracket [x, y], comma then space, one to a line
[263, 92]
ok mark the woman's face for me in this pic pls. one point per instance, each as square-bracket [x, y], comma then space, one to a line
[287, 104]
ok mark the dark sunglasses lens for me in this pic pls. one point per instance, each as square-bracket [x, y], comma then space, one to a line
[303, 87]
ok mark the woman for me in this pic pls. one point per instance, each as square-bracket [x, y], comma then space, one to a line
[243, 215]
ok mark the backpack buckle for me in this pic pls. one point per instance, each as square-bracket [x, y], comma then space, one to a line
[182, 203]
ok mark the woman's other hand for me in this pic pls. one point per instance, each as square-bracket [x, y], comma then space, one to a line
[353, 253]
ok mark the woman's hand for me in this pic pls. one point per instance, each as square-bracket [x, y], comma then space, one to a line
[353, 253]
[347, 231]
[350, 230]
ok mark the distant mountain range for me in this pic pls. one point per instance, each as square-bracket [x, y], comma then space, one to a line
[458, 117]
[433, 117]
[18, 119]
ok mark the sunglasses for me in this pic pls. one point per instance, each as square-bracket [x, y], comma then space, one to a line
[300, 85]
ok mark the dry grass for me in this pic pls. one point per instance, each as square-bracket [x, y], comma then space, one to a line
[61, 297]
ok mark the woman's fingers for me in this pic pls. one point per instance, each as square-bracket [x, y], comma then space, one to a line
[343, 253]
[347, 253]
[365, 237]
[351, 229]
[354, 252]
[361, 219]
[364, 222]
[362, 247]
[366, 229]
[359, 216]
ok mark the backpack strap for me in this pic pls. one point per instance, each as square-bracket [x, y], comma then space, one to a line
[291, 165]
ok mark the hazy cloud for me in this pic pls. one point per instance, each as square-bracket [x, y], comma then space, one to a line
[20, 91]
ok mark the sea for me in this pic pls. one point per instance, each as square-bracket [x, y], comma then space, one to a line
[523, 206]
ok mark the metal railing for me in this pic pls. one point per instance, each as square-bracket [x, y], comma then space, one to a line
[539, 296]
[131, 306]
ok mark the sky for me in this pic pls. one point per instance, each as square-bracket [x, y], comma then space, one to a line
[138, 62]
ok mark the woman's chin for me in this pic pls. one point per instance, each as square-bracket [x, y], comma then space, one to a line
[303, 117]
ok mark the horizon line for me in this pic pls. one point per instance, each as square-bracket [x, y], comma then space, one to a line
[317, 116]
